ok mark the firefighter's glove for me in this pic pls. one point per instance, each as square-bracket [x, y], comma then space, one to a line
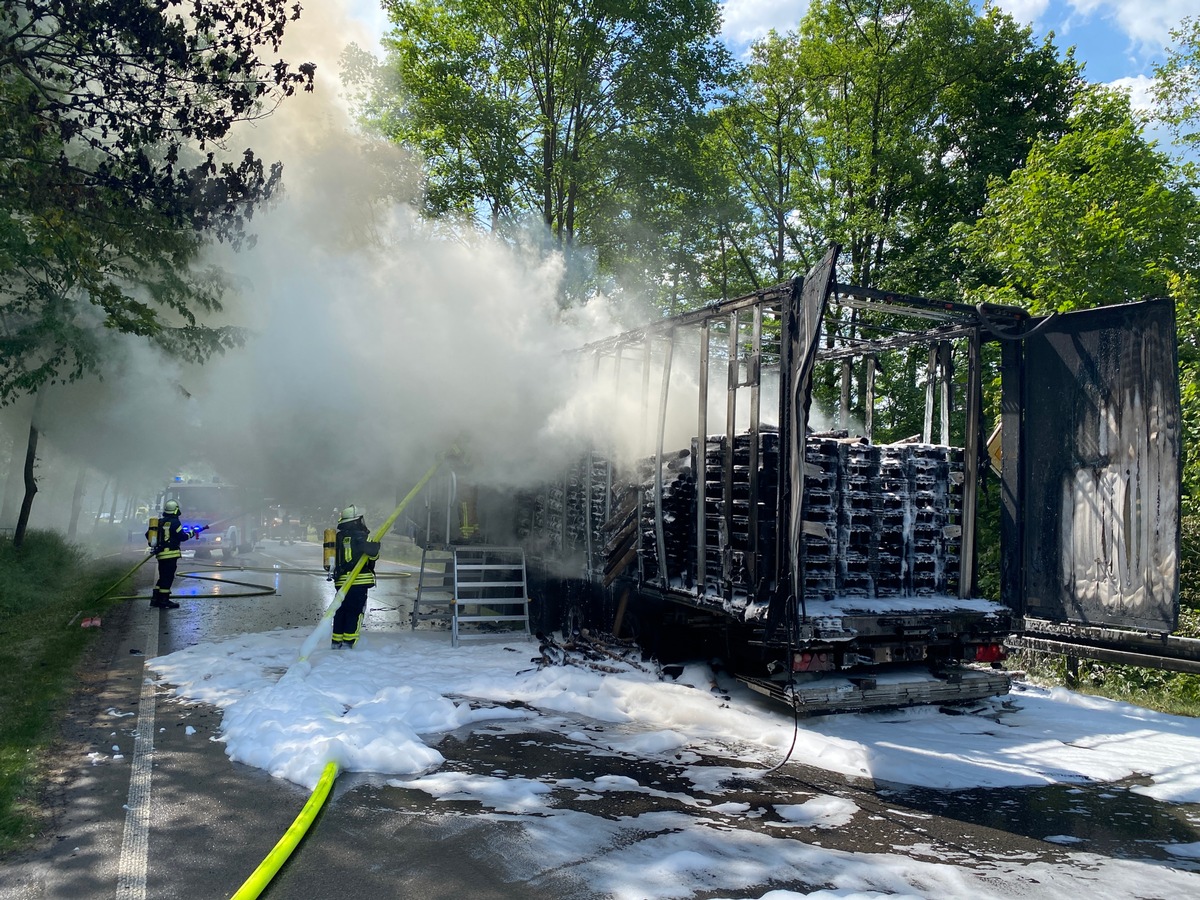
[371, 548]
[154, 551]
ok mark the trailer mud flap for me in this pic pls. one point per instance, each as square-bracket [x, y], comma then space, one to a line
[1101, 468]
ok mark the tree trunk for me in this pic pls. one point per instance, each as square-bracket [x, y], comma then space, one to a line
[12, 487]
[30, 487]
[100, 505]
[30, 481]
[76, 503]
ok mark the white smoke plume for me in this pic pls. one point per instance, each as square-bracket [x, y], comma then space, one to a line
[376, 341]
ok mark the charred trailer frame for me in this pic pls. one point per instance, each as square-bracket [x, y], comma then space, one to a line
[816, 558]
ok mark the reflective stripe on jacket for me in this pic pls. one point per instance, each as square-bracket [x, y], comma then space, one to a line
[351, 543]
[170, 536]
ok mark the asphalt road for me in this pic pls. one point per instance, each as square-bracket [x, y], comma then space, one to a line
[186, 822]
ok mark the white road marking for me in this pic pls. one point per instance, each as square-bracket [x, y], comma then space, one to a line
[131, 870]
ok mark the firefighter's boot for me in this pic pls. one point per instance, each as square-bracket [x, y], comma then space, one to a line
[162, 600]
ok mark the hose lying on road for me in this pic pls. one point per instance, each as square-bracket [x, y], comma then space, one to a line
[259, 590]
[127, 575]
[261, 877]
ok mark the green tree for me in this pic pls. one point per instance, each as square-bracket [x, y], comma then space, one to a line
[1177, 83]
[877, 126]
[115, 114]
[770, 155]
[1095, 217]
[552, 111]
[888, 117]
[1098, 216]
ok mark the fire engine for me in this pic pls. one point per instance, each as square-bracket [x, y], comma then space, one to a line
[226, 512]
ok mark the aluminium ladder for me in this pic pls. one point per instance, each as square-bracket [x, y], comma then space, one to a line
[480, 590]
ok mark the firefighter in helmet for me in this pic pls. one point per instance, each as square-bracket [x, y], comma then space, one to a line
[352, 541]
[164, 543]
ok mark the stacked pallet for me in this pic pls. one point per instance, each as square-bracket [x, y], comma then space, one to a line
[881, 521]
[741, 546]
[679, 521]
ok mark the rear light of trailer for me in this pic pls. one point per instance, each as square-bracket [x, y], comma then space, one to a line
[988, 653]
[806, 661]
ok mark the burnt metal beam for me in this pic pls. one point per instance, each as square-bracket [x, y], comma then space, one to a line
[915, 305]
[1105, 654]
[779, 294]
[899, 342]
[1167, 645]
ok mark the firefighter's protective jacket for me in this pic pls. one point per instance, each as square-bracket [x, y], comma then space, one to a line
[352, 542]
[171, 534]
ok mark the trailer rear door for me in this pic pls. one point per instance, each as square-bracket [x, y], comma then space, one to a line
[1101, 468]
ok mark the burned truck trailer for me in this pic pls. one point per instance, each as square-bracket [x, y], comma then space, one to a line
[834, 572]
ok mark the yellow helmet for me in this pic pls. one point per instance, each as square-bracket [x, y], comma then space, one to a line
[349, 514]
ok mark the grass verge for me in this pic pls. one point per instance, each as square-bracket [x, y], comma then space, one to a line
[49, 587]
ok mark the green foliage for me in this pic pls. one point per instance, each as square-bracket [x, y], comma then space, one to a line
[1177, 83]
[1189, 576]
[108, 188]
[877, 125]
[48, 587]
[1098, 216]
[567, 113]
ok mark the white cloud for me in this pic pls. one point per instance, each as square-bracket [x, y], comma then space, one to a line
[1027, 12]
[1140, 90]
[1147, 23]
[748, 20]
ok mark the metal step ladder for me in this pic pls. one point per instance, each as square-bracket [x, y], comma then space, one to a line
[435, 586]
[479, 589]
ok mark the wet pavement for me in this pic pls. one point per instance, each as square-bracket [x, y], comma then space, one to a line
[212, 821]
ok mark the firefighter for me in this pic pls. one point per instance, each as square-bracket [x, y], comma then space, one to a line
[351, 542]
[165, 545]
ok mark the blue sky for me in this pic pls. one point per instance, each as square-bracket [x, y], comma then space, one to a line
[1118, 40]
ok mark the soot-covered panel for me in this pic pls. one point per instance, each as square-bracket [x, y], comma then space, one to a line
[1101, 468]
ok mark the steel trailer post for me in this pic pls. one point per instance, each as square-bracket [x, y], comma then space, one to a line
[753, 379]
[659, 530]
[869, 406]
[731, 383]
[946, 374]
[699, 464]
[1012, 377]
[972, 426]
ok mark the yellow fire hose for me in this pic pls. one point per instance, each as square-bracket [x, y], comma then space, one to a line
[310, 643]
[145, 560]
[258, 881]
[261, 877]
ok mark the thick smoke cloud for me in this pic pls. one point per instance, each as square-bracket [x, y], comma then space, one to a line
[376, 341]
